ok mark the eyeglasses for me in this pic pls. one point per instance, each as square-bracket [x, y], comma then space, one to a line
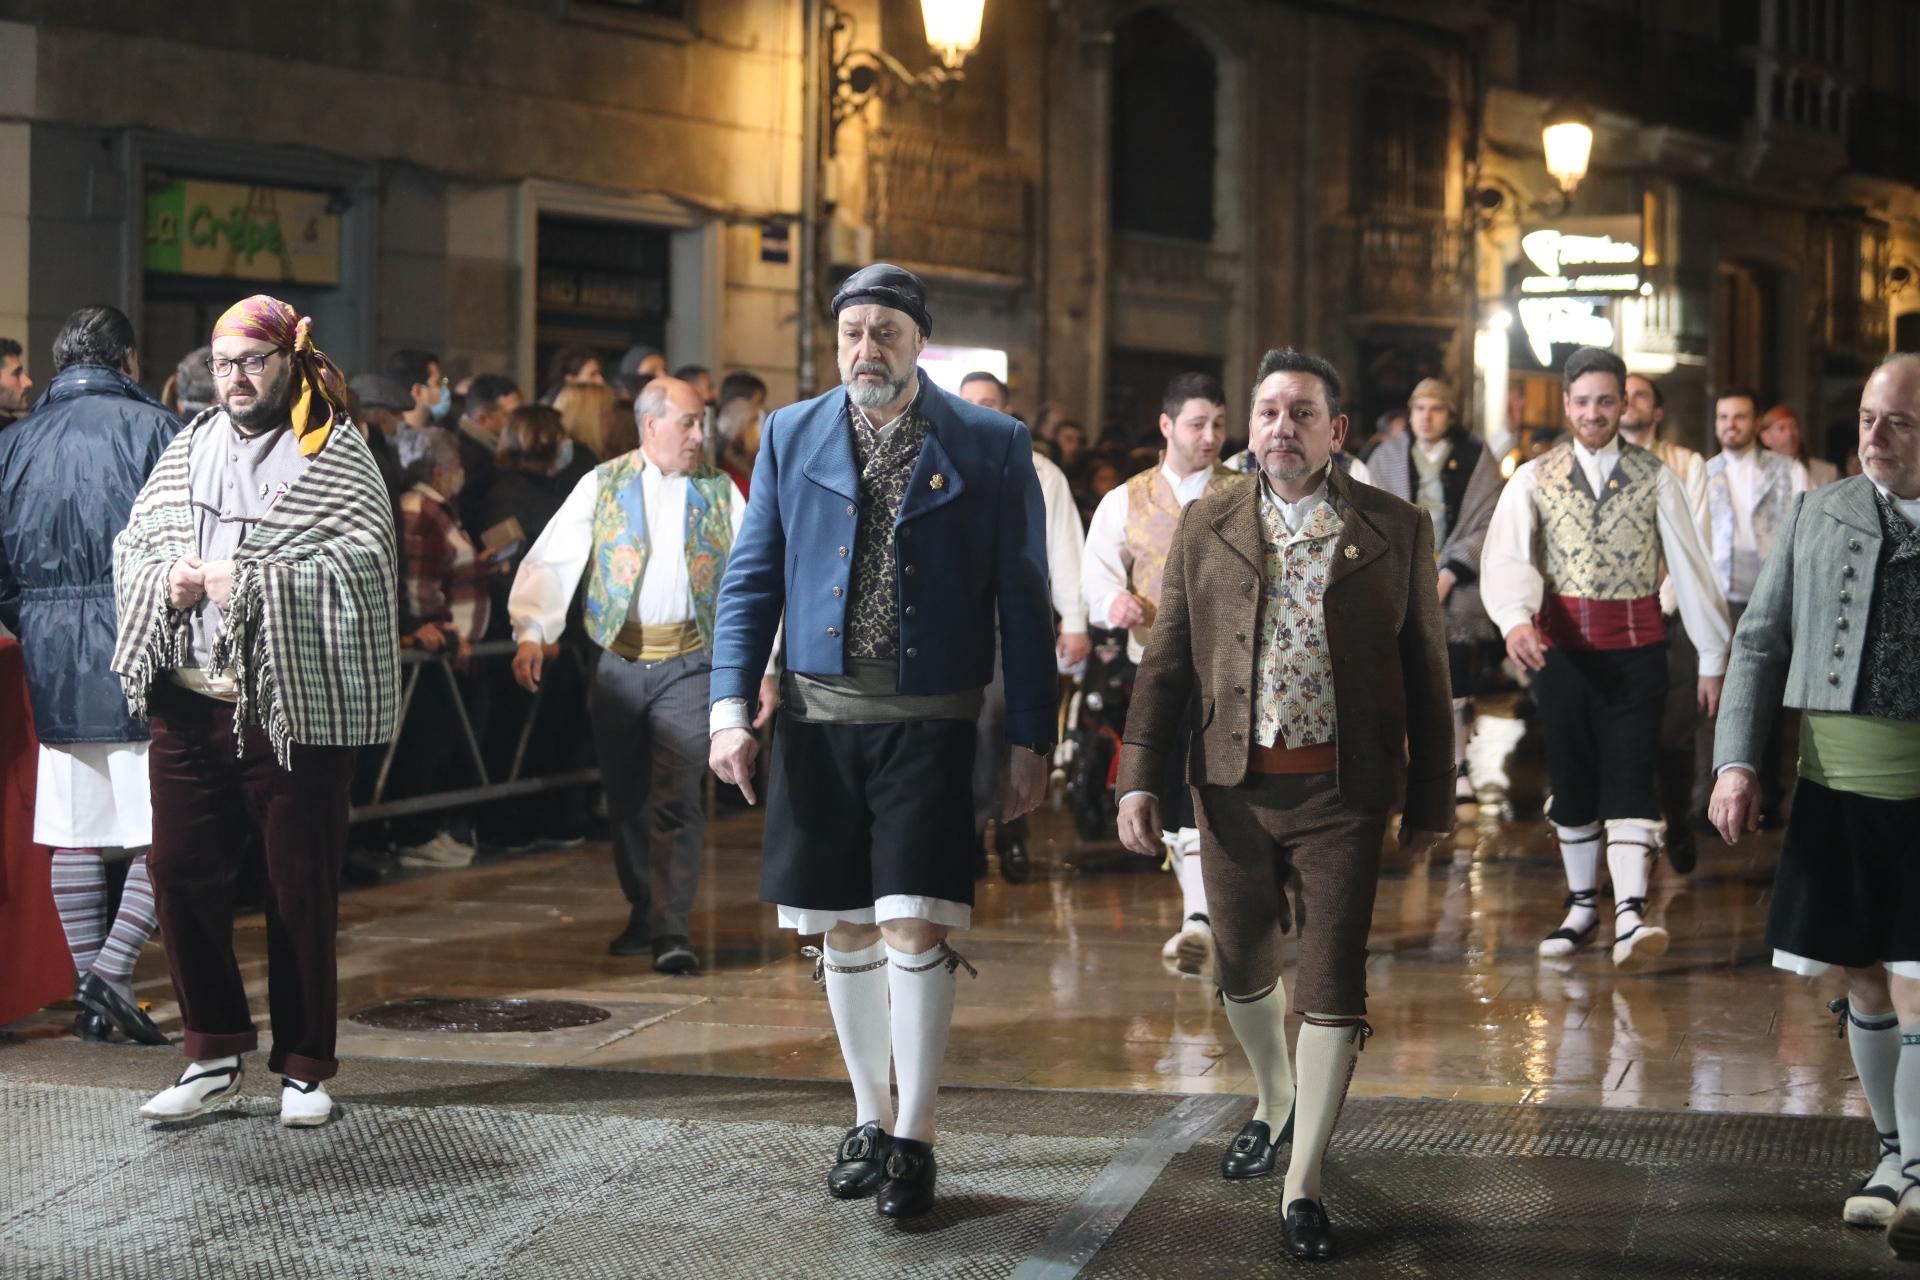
[252, 366]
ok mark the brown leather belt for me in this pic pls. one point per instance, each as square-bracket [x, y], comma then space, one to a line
[1321, 757]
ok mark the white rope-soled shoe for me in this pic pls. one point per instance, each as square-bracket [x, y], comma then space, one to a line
[304, 1106]
[1874, 1200]
[1641, 945]
[201, 1086]
[1189, 953]
[1566, 940]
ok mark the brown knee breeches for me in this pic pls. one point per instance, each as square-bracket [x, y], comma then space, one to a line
[1280, 837]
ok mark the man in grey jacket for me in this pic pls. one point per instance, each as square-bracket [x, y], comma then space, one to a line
[1828, 630]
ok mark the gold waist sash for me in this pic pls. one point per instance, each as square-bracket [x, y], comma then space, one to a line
[636, 643]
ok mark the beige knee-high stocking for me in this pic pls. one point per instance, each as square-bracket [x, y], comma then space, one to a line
[1260, 1025]
[1327, 1048]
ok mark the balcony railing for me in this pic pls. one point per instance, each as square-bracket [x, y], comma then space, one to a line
[1409, 264]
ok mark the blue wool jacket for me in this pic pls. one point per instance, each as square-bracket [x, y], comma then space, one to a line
[971, 541]
[69, 472]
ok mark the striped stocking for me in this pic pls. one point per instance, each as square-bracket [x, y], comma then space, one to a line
[132, 927]
[80, 896]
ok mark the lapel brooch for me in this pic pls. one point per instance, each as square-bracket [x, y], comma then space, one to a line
[938, 482]
[1353, 552]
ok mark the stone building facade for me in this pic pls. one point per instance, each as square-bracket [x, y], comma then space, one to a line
[1117, 190]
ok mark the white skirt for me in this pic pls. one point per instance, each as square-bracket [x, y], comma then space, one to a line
[1909, 969]
[93, 795]
[895, 906]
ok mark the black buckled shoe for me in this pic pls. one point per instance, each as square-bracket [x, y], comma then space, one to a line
[94, 993]
[1253, 1150]
[91, 1027]
[908, 1190]
[1309, 1234]
[861, 1165]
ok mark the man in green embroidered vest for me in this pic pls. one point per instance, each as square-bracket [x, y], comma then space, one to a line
[651, 530]
[1570, 573]
[1829, 630]
[1121, 571]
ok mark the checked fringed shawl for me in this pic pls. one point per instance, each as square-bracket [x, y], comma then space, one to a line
[310, 630]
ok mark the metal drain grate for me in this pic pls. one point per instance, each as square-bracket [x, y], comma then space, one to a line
[431, 1013]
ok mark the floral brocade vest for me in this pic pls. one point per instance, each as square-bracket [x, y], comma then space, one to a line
[1153, 516]
[1605, 546]
[620, 547]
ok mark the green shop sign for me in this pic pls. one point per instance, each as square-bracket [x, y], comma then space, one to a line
[234, 232]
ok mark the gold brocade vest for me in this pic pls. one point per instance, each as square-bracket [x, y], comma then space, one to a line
[1605, 546]
[1293, 667]
[1153, 514]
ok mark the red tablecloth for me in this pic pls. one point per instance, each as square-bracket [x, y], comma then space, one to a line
[35, 968]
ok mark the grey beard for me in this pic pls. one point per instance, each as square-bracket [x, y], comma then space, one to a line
[875, 396]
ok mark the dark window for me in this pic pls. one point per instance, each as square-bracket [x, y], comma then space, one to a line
[1164, 81]
[1406, 142]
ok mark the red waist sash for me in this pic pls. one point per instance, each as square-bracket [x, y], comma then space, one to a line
[1575, 622]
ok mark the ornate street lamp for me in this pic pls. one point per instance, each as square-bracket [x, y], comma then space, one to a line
[861, 75]
[953, 28]
[1566, 135]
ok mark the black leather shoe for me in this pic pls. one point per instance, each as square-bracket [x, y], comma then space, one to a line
[633, 940]
[861, 1165]
[91, 1027]
[671, 954]
[1015, 864]
[1309, 1234]
[908, 1190]
[1252, 1152]
[94, 993]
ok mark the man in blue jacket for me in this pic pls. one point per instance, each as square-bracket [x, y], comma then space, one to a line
[896, 525]
[69, 472]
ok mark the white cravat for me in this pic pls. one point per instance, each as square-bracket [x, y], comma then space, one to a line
[1294, 513]
[1909, 508]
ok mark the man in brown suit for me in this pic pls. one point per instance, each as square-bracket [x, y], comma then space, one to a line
[1302, 615]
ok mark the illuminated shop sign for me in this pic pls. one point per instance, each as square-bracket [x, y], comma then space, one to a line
[1571, 322]
[236, 232]
[1583, 256]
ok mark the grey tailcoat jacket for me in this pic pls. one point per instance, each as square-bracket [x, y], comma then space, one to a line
[1799, 643]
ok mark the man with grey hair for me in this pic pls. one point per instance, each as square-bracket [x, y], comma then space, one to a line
[1828, 630]
[653, 617]
[193, 389]
[901, 532]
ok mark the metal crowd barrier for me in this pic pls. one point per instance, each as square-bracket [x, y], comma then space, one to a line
[418, 665]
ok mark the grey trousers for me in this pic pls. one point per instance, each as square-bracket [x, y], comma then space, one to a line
[650, 730]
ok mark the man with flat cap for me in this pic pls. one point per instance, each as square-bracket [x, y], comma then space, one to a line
[1449, 473]
[897, 526]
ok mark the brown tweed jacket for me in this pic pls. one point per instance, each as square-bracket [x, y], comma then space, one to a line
[1385, 632]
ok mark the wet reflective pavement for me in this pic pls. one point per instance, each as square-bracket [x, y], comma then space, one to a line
[1072, 993]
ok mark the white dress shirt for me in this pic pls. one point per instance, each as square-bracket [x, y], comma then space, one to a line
[1511, 585]
[550, 573]
[1746, 482]
[1105, 566]
[1066, 543]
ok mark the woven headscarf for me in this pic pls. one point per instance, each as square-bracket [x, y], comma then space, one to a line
[319, 392]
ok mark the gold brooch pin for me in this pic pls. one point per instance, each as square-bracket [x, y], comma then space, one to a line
[1353, 552]
[1613, 484]
[939, 481]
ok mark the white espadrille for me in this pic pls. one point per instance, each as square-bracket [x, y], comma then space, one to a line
[304, 1106]
[200, 1086]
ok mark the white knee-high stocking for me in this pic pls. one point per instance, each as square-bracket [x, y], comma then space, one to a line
[1328, 1047]
[922, 989]
[857, 993]
[1261, 1027]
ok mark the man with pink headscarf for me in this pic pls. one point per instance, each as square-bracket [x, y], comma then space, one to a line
[255, 581]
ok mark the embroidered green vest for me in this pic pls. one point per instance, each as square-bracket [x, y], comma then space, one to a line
[1604, 547]
[620, 547]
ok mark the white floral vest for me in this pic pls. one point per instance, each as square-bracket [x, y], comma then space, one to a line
[1293, 669]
